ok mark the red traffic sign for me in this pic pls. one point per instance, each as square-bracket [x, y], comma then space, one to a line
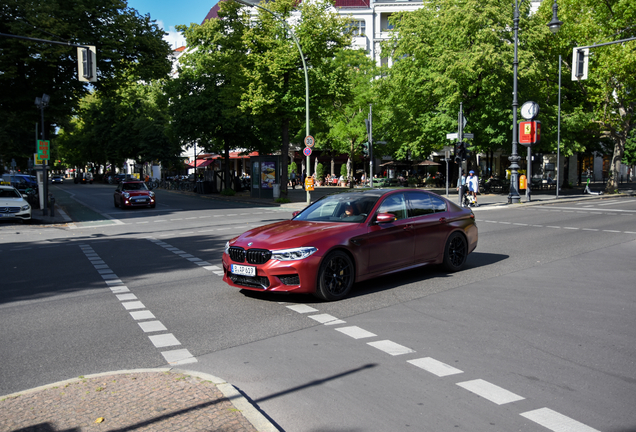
[309, 141]
[529, 133]
[307, 151]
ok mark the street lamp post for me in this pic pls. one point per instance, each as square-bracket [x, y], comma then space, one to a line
[41, 103]
[554, 25]
[302, 57]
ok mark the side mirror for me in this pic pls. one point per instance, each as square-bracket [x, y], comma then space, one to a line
[385, 218]
[294, 214]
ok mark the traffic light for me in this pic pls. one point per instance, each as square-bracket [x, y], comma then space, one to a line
[86, 64]
[580, 59]
[457, 152]
[365, 149]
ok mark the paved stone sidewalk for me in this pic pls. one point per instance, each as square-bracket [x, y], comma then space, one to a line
[150, 400]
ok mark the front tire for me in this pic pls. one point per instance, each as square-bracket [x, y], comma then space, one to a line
[335, 276]
[455, 252]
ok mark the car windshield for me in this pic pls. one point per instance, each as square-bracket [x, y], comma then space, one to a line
[134, 186]
[9, 193]
[349, 207]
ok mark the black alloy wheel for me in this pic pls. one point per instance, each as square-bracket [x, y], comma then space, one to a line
[335, 277]
[455, 252]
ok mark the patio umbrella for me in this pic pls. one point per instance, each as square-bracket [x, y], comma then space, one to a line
[428, 162]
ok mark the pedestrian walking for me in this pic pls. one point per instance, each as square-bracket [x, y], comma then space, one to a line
[473, 187]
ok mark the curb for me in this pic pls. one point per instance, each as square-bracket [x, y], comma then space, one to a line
[242, 404]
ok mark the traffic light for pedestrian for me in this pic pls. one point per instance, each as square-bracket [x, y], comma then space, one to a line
[365, 149]
[457, 152]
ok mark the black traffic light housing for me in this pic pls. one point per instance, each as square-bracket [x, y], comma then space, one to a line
[365, 149]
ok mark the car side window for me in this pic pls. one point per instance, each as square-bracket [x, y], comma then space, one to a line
[394, 204]
[422, 203]
[439, 205]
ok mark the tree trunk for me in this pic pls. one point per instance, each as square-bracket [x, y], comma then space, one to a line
[226, 172]
[284, 152]
[615, 167]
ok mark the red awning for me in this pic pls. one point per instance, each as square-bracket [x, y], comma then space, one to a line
[201, 163]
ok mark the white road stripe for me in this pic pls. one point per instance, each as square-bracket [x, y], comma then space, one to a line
[326, 319]
[301, 308]
[556, 422]
[140, 315]
[356, 332]
[435, 367]
[152, 326]
[391, 347]
[164, 340]
[134, 305]
[490, 391]
[124, 297]
[178, 357]
[119, 289]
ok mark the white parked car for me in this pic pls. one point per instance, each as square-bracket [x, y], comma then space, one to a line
[13, 205]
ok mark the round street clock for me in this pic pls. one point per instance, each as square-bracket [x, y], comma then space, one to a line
[529, 110]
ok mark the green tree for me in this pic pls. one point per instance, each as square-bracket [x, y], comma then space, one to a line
[352, 74]
[129, 46]
[276, 91]
[205, 99]
[609, 89]
[444, 56]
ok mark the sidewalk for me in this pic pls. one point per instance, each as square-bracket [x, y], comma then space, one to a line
[138, 400]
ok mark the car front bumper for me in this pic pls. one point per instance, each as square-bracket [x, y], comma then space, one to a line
[297, 276]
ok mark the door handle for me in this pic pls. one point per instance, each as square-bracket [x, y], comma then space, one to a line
[442, 220]
[406, 227]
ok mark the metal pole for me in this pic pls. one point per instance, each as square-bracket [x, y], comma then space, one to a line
[371, 145]
[302, 57]
[558, 170]
[513, 197]
[44, 167]
[460, 136]
[529, 179]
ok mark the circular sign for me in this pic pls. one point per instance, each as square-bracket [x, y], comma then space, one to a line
[309, 141]
[307, 151]
[529, 110]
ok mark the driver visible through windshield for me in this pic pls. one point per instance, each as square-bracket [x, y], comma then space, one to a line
[345, 207]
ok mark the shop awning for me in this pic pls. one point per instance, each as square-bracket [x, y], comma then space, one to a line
[201, 163]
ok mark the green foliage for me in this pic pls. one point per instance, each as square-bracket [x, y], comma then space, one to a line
[292, 167]
[282, 200]
[129, 47]
[343, 170]
[228, 192]
[320, 171]
[445, 56]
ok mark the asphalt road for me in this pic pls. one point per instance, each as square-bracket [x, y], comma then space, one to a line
[538, 333]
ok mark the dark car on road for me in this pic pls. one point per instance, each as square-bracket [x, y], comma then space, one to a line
[134, 194]
[351, 237]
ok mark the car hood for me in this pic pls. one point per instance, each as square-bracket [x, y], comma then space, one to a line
[12, 202]
[289, 234]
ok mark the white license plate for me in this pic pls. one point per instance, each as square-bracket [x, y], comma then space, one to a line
[5, 215]
[139, 199]
[243, 270]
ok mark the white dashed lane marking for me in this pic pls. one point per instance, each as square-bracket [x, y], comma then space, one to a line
[356, 332]
[490, 391]
[183, 254]
[556, 227]
[498, 395]
[139, 312]
[435, 367]
[556, 422]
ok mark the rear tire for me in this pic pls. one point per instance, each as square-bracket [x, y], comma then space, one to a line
[115, 202]
[335, 276]
[455, 252]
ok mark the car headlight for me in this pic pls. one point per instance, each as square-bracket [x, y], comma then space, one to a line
[227, 248]
[25, 207]
[293, 254]
[126, 195]
[152, 194]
